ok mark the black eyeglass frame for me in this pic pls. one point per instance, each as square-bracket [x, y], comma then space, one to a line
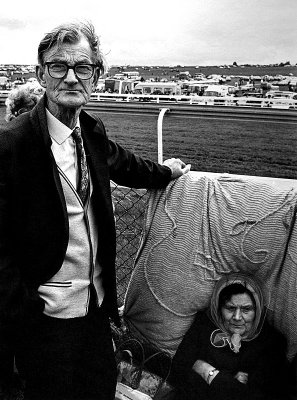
[68, 67]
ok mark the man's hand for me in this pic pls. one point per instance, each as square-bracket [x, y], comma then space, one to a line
[242, 377]
[178, 168]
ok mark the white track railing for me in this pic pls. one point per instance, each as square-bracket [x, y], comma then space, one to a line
[163, 111]
[245, 101]
[262, 102]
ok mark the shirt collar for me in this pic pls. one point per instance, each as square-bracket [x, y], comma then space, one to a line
[57, 130]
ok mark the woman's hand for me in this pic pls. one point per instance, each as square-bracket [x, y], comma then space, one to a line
[203, 368]
[242, 377]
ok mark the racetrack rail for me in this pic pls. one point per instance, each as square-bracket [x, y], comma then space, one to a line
[195, 111]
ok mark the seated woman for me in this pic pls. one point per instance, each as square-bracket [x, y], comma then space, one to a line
[231, 352]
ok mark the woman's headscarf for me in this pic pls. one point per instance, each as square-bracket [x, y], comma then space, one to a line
[220, 337]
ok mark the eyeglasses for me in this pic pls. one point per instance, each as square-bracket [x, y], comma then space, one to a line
[60, 70]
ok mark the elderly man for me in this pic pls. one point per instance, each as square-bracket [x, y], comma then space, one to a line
[57, 234]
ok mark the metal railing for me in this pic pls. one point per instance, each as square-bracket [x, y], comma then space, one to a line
[229, 101]
[129, 207]
[226, 101]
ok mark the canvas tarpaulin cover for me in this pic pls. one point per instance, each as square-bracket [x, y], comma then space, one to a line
[200, 227]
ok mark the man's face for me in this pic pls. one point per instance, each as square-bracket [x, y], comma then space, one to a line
[69, 91]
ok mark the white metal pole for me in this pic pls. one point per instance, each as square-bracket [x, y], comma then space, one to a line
[160, 137]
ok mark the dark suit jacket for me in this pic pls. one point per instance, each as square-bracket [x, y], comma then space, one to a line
[33, 217]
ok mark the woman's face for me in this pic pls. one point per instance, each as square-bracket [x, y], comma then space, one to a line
[238, 314]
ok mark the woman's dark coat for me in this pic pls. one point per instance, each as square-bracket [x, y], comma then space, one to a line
[263, 358]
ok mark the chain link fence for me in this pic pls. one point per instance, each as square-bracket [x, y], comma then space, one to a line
[129, 208]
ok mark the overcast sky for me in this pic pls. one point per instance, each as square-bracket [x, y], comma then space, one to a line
[160, 32]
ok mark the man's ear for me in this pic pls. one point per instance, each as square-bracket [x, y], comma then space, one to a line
[40, 75]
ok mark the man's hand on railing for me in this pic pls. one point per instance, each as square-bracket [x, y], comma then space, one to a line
[178, 167]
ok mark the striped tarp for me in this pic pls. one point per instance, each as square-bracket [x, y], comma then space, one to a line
[201, 227]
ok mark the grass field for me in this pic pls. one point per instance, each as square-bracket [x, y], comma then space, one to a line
[215, 145]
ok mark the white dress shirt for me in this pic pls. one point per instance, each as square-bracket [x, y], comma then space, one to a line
[63, 147]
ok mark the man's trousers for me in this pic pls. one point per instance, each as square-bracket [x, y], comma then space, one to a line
[66, 359]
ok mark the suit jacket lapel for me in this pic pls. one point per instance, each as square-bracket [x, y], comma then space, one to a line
[95, 143]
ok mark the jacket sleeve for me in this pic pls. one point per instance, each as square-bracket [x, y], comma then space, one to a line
[271, 375]
[225, 384]
[9, 275]
[130, 170]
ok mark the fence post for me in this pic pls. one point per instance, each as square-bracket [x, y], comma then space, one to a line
[160, 138]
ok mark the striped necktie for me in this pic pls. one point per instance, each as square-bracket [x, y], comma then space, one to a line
[83, 183]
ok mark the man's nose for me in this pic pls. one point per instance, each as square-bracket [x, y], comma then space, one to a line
[70, 77]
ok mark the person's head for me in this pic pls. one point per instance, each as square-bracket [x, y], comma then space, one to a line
[21, 99]
[69, 65]
[237, 309]
[237, 305]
